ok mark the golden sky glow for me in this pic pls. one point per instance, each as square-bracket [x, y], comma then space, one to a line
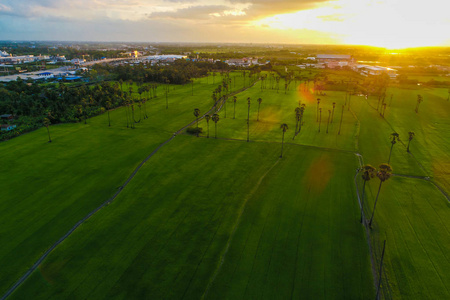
[384, 23]
[390, 24]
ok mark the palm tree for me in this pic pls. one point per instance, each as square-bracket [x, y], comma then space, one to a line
[145, 108]
[215, 118]
[259, 104]
[167, 91]
[140, 110]
[125, 102]
[368, 172]
[411, 136]
[320, 117]
[394, 138]
[384, 173]
[317, 113]
[332, 113]
[234, 108]
[297, 118]
[302, 111]
[283, 127]
[207, 117]
[342, 115]
[121, 83]
[108, 107]
[329, 116]
[46, 123]
[419, 100]
[248, 119]
[197, 114]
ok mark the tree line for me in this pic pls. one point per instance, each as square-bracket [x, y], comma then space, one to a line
[178, 72]
[30, 103]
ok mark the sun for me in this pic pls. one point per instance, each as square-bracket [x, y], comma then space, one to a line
[392, 24]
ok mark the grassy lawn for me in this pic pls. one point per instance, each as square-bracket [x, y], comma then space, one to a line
[299, 234]
[429, 150]
[412, 215]
[45, 188]
[223, 218]
[166, 234]
[277, 108]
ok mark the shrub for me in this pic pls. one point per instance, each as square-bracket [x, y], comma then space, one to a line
[194, 130]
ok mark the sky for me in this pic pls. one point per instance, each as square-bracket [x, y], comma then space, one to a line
[383, 23]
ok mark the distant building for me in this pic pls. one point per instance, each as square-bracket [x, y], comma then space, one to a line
[367, 70]
[44, 75]
[242, 62]
[165, 58]
[78, 61]
[334, 61]
[334, 57]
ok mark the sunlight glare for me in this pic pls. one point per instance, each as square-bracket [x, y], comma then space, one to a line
[391, 24]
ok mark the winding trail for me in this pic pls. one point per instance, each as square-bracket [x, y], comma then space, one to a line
[22, 279]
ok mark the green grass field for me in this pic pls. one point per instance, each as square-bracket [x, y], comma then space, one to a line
[412, 214]
[164, 237]
[45, 188]
[223, 218]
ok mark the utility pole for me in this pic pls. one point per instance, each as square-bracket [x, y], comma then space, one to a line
[381, 269]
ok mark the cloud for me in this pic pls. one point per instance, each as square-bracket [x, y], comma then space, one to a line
[200, 12]
[258, 9]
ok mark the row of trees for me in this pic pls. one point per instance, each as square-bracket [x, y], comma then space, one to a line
[383, 173]
[178, 72]
[30, 103]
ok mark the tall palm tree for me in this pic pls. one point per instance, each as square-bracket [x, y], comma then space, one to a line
[302, 111]
[248, 119]
[317, 113]
[215, 118]
[332, 113]
[394, 138]
[144, 101]
[320, 117]
[207, 117]
[368, 172]
[419, 100]
[284, 128]
[125, 102]
[46, 123]
[410, 137]
[259, 104]
[329, 117]
[384, 173]
[197, 114]
[121, 83]
[342, 115]
[297, 119]
[234, 108]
